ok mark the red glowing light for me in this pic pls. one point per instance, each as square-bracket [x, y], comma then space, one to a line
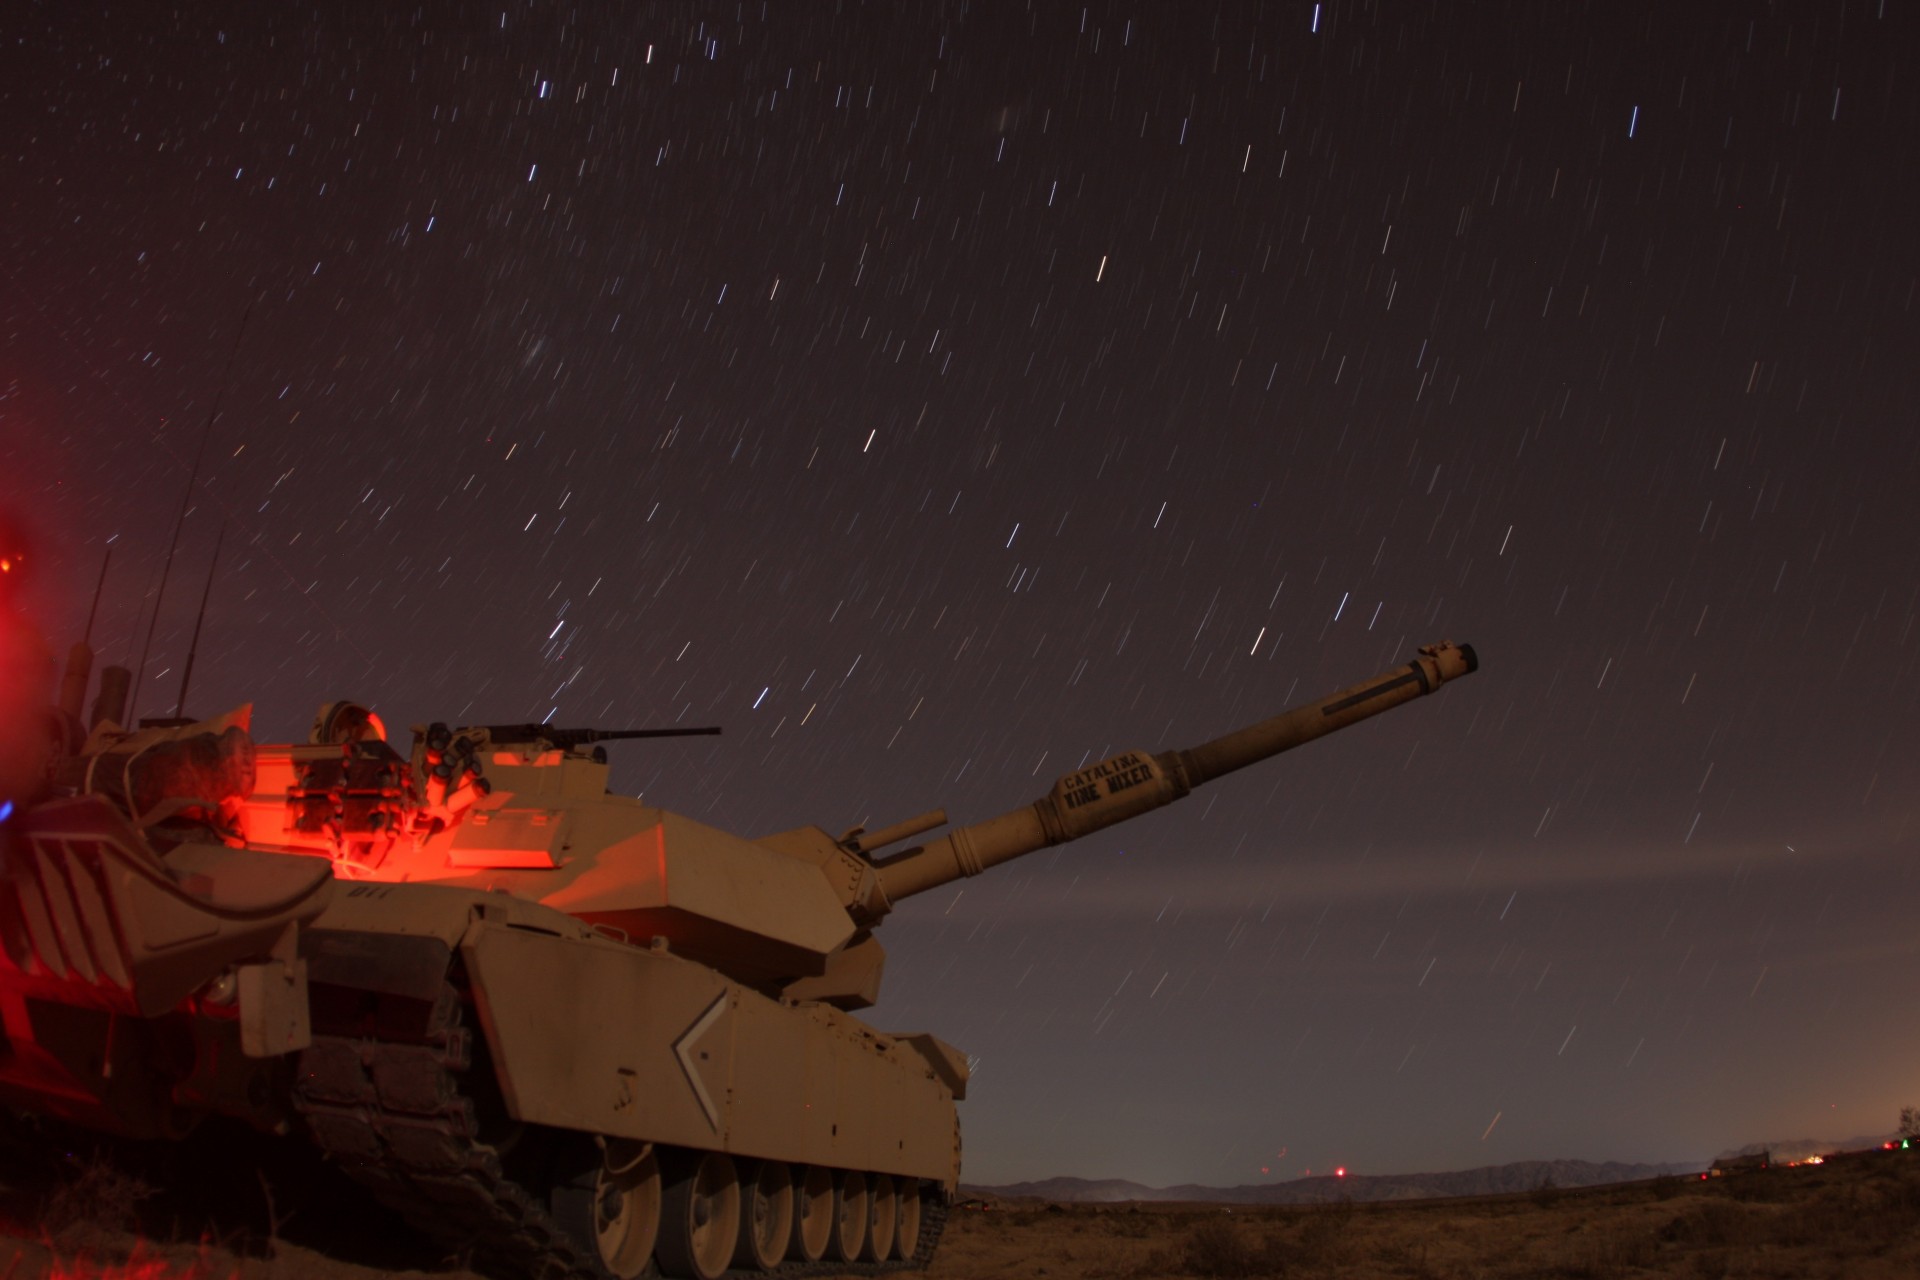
[1341, 1172]
[139, 1265]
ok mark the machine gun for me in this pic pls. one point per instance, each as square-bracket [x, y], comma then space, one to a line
[574, 739]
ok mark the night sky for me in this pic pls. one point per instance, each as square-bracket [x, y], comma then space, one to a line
[940, 396]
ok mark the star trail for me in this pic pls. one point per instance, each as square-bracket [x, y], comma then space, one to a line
[944, 397]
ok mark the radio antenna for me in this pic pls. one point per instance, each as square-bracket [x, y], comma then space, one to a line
[98, 587]
[186, 501]
[193, 646]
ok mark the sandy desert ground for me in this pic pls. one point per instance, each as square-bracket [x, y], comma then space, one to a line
[1856, 1217]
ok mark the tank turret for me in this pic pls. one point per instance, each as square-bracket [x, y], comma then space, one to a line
[525, 809]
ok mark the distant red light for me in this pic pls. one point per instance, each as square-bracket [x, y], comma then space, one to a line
[1341, 1172]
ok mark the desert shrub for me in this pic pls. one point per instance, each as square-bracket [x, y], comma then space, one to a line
[1709, 1224]
[1324, 1231]
[1414, 1260]
[1877, 1211]
[1803, 1225]
[1713, 1264]
[97, 1193]
[1132, 1224]
[1905, 1191]
[1596, 1255]
[1760, 1188]
[1218, 1249]
[1623, 1252]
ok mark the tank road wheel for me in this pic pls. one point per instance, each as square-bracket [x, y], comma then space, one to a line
[626, 1215]
[766, 1217]
[700, 1216]
[880, 1219]
[906, 1212]
[813, 1202]
[849, 1216]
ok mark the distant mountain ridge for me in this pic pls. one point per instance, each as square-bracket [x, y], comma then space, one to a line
[1503, 1179]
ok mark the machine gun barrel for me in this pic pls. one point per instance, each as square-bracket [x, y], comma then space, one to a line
[568, 739]
[1134, 782]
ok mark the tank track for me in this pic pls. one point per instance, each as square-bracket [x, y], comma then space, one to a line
[396, 1117]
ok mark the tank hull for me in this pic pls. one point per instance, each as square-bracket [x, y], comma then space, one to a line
[437, 1028]
[588, 1033]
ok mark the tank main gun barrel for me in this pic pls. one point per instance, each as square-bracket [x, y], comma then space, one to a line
[1133, 782]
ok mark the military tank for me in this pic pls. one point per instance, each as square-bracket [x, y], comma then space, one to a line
[563, 1032]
